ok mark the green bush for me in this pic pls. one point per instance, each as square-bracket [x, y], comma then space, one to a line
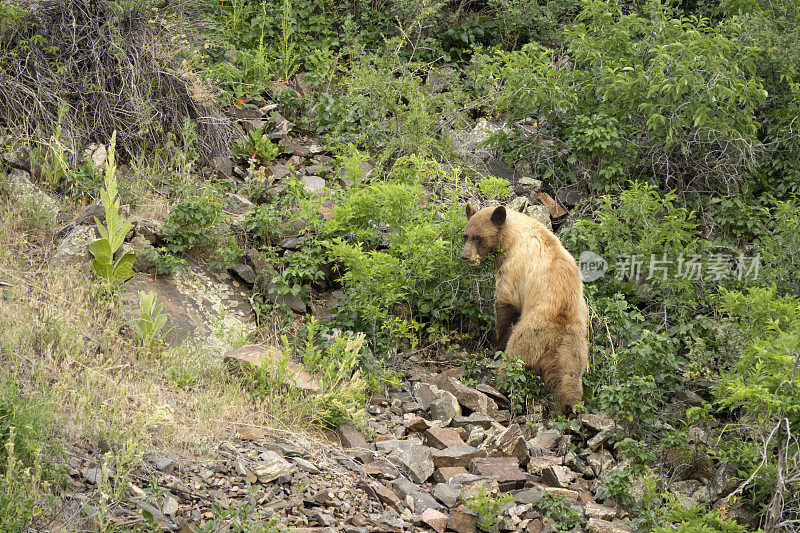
[399, 263]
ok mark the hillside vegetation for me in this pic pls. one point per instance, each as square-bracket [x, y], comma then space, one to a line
[302, 167]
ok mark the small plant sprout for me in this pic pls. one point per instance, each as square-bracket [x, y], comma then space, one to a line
[113, 233]
[149, 325]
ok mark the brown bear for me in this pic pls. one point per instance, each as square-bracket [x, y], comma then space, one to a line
[540, 312]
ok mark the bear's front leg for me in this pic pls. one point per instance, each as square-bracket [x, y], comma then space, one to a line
[506, 316]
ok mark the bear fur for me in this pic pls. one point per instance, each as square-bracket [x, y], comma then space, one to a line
[540, 311]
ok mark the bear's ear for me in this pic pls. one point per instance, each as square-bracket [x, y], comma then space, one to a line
[499, 215]
[470, 211]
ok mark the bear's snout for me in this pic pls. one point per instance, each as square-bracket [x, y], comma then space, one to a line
[470, 255]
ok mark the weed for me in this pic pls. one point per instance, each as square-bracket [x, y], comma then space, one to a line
[112, 235]
[149, 325]
[556, 507]
[495, 188]
[487, 505]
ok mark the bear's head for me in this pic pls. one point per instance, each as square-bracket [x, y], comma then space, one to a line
[482, 233]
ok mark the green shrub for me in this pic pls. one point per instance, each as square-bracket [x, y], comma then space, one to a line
[399, 262]
[487, 505]
[495, 188]
[194, 221]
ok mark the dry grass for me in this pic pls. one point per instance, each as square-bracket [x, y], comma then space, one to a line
[63, 336]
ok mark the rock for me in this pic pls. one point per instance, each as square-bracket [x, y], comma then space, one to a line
[447, 493]
[244, 272]
[576, 464]
[269, 291]
[170, 505]
[599, 440]
[92, 475]
[385, 495]
[158, 517]
[21, 189]
[529, 495]
[601, 462]
[496, 167]
[472, 399]
[697, 436]
[403, 487]
[493, 393]
[419, 502]
[474, 419]
[511, 443]
[270, 467]
[458, 455]
[90, 213]
[305, 466]
[445, 408]
[538, 464]
[557, 476]
[149, 230]
[689, 397]
[569, 494]
[723, 482]
[595, 510]
[596, 423]
[441, 438]
[437, 520]
[250, 433]
[74, 249]
[290, 146]
[381, 468]
[414, 459]
[445, 473]
[417, 424]
[689, 493]
[547, 438]
[425, 393]
[504, 470]
[468, 145]
[199, 304]
[527, 186]
[279, 171]
[223, 166]
[476, 436]
[541, 214]
[351, 437]
[251, 358]
[164, 464]
[463, 521]
[595, 525]
[314, 185]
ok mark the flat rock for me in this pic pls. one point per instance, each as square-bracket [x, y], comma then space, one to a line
[170, 505]
[527, 496]
[446, 473]
[425, 393]
[547, 439]
[463, 521]
[504, 470]
[385, 495]
[595, 525]
[351, 437]
[249, 359]
[474, 419]
[472, 399]
[539, 464]
[596, 423]
[596, 442]
[74, 248]
[441, 438]
[419, 502]
[413, 458]
[557, 476]
[314, 185]
[270, 467]
[602, 512]
[458, 455]
[447, 493]
[380, 468]
[435, 519]
[199, 303]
